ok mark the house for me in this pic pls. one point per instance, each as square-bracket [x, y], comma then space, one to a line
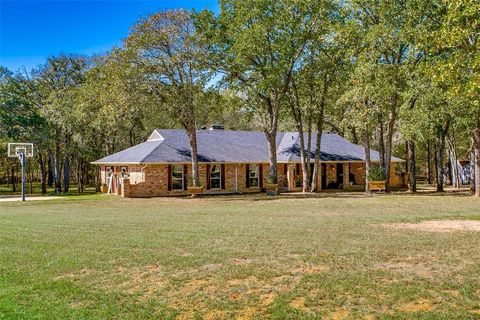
[232, 161]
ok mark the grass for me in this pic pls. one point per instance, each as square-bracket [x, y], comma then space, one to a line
[104, 257]
[36, 190]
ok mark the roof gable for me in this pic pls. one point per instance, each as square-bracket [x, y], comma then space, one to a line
[155, 136]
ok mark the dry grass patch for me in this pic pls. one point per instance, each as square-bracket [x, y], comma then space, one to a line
[407, 267]
[339, 315]
[145, 279]
[438, 225]
[309, 269]
[298, 303]
[421, 305]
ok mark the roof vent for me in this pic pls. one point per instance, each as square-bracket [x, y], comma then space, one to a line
[216, 127]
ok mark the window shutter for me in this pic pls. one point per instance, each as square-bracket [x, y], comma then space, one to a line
[185, 176]
[169, 179]
[247, 176]
[285, 169]
[208, 176]
[260, 175]
[222, 168]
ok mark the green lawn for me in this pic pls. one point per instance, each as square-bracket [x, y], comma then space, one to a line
[103, 257]
[36, 190]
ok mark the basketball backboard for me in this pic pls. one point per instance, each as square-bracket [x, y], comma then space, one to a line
[17, 148]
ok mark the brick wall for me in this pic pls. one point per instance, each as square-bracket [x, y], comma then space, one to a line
[152, 180]
[156, 180]
[358, 170]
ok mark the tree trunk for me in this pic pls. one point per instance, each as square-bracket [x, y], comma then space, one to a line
[97, 179]
[412, 177]
[29, 174]
[66, 173]
[476, 147]
[368, 163]
[43, 172]
[79, 176]
[56, 164]
[303, 159]
[49, 169]
[472, 168]
[318, 143]
[407, 161]
[453, 163]
[67, 163]
[192, 135]
[389, 146]
[316, 164]
[381, 142]
[14, 183]
[272, 151]
[435, 161]
[309, 153]
[354, 135]
[439, 164]
[429, 163]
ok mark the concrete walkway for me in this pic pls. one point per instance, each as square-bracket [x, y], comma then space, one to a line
[18, 198]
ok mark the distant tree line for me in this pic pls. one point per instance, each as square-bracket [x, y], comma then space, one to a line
[398, 76]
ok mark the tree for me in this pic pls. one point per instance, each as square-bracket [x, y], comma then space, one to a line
[386, 45]
[360, 109]
[54, 88]
[256, 45]
[454, 44]
[20, 119]
[165, 47]
[320, 69]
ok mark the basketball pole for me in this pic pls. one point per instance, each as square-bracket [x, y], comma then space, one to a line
[22, 160]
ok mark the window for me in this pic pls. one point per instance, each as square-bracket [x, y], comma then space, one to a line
[215, 177]
[253, 176]
[177, 178]
[124, 172]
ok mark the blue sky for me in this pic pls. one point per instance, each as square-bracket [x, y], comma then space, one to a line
[30, 31]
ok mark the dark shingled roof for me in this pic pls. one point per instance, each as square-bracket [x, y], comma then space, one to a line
[172, 145]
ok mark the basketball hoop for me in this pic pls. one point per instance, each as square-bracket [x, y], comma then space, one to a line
[22, 151]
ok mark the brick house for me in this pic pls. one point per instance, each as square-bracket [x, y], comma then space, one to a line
[231, 162]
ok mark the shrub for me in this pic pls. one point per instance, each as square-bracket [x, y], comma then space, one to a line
[376, 174]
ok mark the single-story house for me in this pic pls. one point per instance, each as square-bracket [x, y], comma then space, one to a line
[232, 161]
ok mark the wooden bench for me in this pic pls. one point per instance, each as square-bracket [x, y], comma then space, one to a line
[376, 186]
